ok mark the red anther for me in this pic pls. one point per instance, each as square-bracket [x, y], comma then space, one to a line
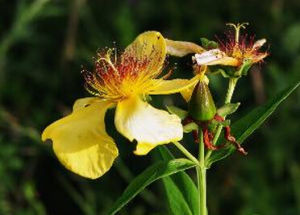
[232, 140]
[207, 140]
[219, 118]
[195, 134]
[242, 150]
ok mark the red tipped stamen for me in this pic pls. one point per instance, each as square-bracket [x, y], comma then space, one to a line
[208, 140]
[232, 140]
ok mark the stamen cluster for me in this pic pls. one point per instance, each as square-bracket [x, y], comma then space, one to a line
[242, 46]
[115, 78]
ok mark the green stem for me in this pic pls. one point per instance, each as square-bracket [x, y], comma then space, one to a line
[201, 178]
[230, 90]
[186, 152]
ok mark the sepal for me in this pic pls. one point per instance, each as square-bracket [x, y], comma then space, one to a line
[190, 127]
[228, 109]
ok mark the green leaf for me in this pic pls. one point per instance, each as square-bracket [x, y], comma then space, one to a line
[248, 124]
[228, 109]
[175, 198]
[151, 174]
[190, 127]
[182, 114]
[184, 183]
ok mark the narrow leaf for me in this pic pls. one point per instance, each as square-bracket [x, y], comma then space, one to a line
[175, 198]
[182, 114]
[228, 109]
[151, 174]
[184, 183]
[248, 124]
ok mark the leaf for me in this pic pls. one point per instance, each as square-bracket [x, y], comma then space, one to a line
[244, 127]
[184, 183]
[190, 127]
[151, 174]
[175, 198]
[228, 109]
[182, 114]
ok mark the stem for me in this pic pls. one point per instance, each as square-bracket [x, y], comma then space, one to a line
[201, 178]
[230, 90]
[186, 152]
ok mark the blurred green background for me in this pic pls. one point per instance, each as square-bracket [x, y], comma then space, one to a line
[44, 43]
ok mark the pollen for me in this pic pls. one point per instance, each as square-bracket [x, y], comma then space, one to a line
[116, 77]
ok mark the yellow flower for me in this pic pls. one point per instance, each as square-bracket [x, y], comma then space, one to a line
[80, 140]
[234, 51]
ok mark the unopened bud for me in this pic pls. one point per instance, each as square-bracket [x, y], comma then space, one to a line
[201, 105]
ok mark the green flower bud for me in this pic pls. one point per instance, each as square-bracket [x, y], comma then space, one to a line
[201, 105]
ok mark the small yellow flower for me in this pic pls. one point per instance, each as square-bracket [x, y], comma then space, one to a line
[234, 51]
[80, 140]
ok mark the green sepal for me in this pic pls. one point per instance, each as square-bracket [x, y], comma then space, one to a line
[232, 72]
[228, 109]
[214, 70]
[202, 106]
[225, 74]
[208, 44]
[214, 123]
[190, 127]
[147, 98]
[223, 123]
[225, 71]
[182, 114]
[245, 67]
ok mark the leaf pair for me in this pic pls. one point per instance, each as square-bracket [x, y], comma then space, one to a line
[156, 171]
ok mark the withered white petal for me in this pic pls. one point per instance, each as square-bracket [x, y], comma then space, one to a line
[209, 57]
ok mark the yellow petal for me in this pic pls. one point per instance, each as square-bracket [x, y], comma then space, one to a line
[182, 48]
[80, 104]
[215, 57]
[148, 47]
[161, 87]
[187, 92]
[136, 119]
[80, 141]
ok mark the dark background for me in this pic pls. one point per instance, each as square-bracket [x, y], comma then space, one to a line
[44, 43]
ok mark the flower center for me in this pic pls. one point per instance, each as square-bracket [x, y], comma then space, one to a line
[240, 46]
[115, 78]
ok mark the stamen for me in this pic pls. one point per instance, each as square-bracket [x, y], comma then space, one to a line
[232, 140]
